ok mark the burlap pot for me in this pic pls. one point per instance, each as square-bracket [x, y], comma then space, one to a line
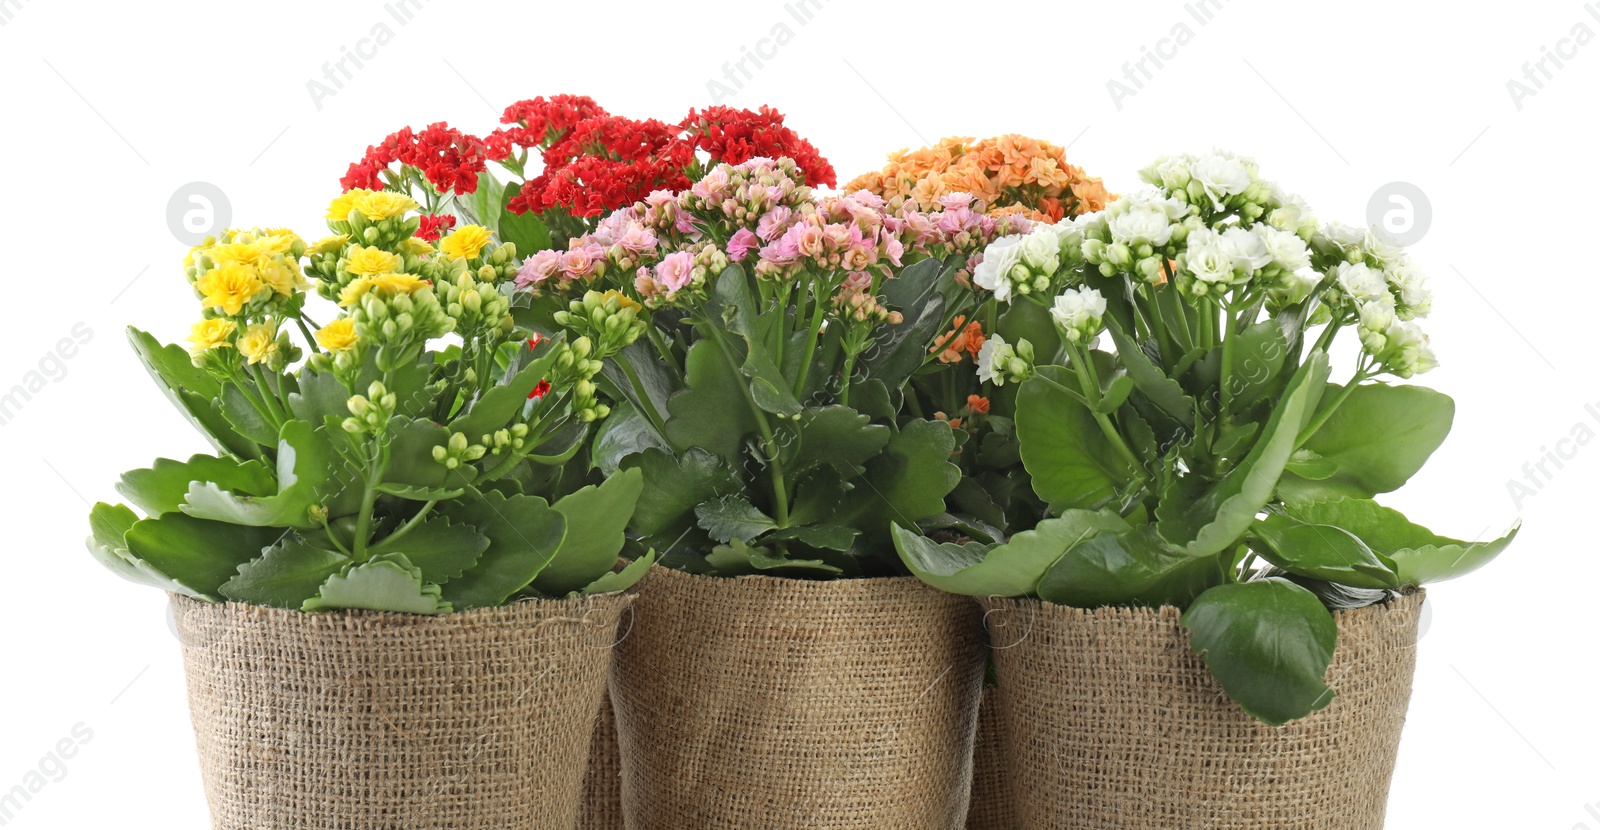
[1113, 722]
[992, 808]
[602, 785]
[771, 703]
[479, 720]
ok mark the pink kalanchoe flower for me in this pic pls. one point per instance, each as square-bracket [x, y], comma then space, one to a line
[712, 185]
[956, 200]
[892, 249]
[742, 243]
[538, 268]
[675, 271]
[785, 251]
[773, 223]
[637, 238]
[808, 240]
[577, 263]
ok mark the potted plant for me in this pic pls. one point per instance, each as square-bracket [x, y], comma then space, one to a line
[763, 407]
[1210, 523]
[1008, 175]
[393, 583]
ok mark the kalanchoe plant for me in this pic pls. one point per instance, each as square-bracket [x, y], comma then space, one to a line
[763, 406]
[388, 470]
[1203, 459]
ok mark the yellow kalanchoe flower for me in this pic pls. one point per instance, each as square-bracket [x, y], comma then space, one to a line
[242, 253]
[211, 334]
[416, 247]
[279, 240]
[365, 262]
[229, 287]
[622, 299]
[352, 293]
[465, 243]
[328, 245]
[384, 204]
[339, 209]
[391, 284]
[338, 336]
[259, 343]
[282, 275]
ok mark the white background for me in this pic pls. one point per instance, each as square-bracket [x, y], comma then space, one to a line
[110, 107]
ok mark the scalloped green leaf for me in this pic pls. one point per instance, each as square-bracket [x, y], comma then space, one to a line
[192, 391]
[161, 488]
[1322, 551]
[198, 554]
[597, 520]
[305, 462]
[733, 517]
[613, 581]
[712, 412]
[524, 535]
[388, 584]
[675, 485]
[837, 436]
[1012, 569]
[1129, 567]
[1376, 440]
[286, 575]
[495, 408]
[109, 525]
[442, 549]
[1268, 643]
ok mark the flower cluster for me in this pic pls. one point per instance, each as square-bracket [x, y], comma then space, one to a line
[1009, 173]
[448, 159]
[248, 282]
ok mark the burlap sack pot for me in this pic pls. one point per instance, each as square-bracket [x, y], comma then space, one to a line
[1114, 723]
[992, 808]
[602, 784]
[479, 720]
[783, 704]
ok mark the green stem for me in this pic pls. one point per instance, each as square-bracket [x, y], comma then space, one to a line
[369, 499]
[811, 343]
[1227, 360]
[665, 352]
[410, 524]
[1091, 392]
[311, 341]
[844, 379]
[647, 405]
[1326, 412]
[769, 442]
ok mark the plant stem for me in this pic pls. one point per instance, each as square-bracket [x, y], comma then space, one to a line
[1227, 359]
[648, 406]
[780, 488]
[1326, 412]
[1091, 392]
[311, 341]
[661, 349]
[811, 343]
[411, 523]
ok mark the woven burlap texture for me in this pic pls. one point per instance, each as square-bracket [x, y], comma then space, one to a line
[992, 805]
[1114, 723]
[602, 785]
[783, 704]
[479, 720]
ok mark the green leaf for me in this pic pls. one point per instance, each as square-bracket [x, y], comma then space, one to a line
[320, 395]
[1419, 555]
[1259, 354]
[905, 483]
[1268, 643]
[1322, 551]
[286, 575]
[161, 488]
[732, 302]
[194, 392]
[1130, 567]
[305, 462]
[108, 525]
[613, 581]
[246, 419]
[821, 537]
[673, 486]
[1072, 464]
[1012, 569]
[525, 230]
[733, 517]
[837, 436]
[524, 534]
[1166, 393]
[738, 559]
[411, 464]
[486, 202]
[496, 407]
[1115, 394]
[1377, 439]
[197, 554]
[1033, 323]
[597, 518]
[1208, 523]
[388, 584]
[441, 549]
[768, 385]
[624, 432]
[712, 413]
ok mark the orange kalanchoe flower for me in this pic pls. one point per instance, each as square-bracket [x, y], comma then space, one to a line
[1012, 174]
[963, 339]
[977, 405]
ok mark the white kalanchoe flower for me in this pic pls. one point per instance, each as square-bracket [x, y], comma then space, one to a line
[1206, 259]
[1409, 353]
[1140, 223]
[992, 360]
[1170, 172]
[1344, 237]
[1375, 319]
[1411, 287]
[1080, 313]
[994, 272]
[1041, 250]
[1360, 283]
[1288, 251]
[1380, 250]
[1222, 175]
[1247, 250]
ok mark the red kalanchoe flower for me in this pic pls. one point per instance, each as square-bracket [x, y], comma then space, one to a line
[737, 135]
[542, 121]
[539, 391]
[535, 341]
[450, 159]
[433, 226]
